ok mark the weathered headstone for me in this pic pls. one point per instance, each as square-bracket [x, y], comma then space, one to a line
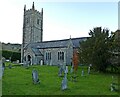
[26, 64]
[82, 74]
[35, 77]
[66, 69]
[113, 86]
[90, 65]
[71, 70]
[61, 70]
[41, 62]
[89, 70]
[64, 82]
[3, 65]
[17, 61]
[3, 70]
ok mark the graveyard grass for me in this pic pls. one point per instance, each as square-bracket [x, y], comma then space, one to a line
[18, 81]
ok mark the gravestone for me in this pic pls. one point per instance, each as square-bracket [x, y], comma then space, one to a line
[35, 77]
[111, 87]
[90, 65]
[66, 69]
[82, 74]
[9, 66]
[89, 70]
[61, 70]
[64, 82]
[3, 65]
[71, 70]
[41, 62]
[26, 65]
[17, 61]
[114, 85]
[3, 68]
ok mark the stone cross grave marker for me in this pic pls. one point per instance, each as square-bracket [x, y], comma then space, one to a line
[64, 82]
[35, 77]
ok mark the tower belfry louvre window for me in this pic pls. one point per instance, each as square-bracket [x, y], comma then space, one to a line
[38, 21]
[27, 20]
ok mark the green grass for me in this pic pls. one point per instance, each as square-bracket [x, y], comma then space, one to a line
[18, 81]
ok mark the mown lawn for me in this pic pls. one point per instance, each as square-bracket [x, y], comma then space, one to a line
[18, 81]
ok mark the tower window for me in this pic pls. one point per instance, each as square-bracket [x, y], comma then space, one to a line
[38, 21]
[27, 20]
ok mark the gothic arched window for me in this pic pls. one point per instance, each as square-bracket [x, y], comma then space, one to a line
[60, 55]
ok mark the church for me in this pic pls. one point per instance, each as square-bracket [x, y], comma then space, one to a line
[35, 51]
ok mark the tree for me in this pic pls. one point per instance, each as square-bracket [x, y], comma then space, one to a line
[115, 49]
[75, 60]
[95, 50]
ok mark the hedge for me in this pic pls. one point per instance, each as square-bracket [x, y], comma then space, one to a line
[10, 54]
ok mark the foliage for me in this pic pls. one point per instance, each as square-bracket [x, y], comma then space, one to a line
[75, 60]
[95, 50]
[18, 81]
[11, 55]
[114, 43]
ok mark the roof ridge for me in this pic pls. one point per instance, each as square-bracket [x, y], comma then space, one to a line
[61, 40]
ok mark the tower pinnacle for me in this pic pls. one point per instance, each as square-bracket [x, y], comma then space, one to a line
[33, 6]
[42, 10]
[24, 7]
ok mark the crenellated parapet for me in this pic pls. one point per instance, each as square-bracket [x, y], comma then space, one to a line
[32, 10]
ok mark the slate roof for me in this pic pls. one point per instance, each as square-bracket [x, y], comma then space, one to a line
[56, 43]
[36, 52]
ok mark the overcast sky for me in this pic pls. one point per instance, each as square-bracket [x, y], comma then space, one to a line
[61, 19]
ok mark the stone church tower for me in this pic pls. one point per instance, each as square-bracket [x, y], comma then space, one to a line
[32, 27]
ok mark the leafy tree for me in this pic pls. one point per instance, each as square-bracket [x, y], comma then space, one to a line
[95, 50]
[115, 50]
